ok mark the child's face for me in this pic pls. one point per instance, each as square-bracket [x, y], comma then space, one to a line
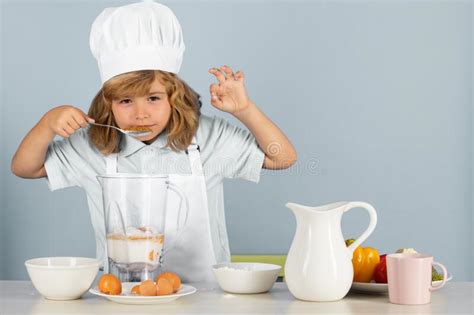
[152, 111]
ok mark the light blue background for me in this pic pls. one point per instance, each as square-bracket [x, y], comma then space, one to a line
[375, 96]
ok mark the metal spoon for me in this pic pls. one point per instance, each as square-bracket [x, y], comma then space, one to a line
[132, 133]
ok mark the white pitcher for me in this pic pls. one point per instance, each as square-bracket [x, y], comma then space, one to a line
[319, 265]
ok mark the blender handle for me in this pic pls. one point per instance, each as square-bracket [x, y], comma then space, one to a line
[182, 197]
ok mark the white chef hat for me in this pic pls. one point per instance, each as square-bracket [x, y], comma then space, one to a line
[139, 36]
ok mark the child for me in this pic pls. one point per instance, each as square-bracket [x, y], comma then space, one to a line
[139, 50]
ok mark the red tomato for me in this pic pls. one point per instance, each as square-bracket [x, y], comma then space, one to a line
[380, 273]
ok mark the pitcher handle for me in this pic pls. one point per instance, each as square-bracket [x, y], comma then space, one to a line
[370, 228]
[179, 229]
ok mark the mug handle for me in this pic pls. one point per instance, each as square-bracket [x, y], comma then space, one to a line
[182, 197]
[445, 276]
[370, 228]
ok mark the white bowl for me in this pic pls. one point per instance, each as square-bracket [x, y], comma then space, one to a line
[62, 278]
[246, 277]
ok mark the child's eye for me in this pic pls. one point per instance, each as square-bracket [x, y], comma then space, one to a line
[154, 98]
[125, 101]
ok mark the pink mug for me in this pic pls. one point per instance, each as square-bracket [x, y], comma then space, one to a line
[409, 278]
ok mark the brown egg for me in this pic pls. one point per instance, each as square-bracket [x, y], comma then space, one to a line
[147, 288]
[136, 289]
[110, 284]
[173, 278]
[163, 287]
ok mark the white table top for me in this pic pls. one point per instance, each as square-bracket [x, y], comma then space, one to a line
[20, 297]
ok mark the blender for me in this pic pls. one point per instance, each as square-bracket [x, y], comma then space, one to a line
[136, 223]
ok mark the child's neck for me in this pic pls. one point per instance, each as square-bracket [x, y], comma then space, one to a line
[148, 142]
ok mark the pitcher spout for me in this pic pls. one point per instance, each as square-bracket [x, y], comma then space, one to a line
[293, 206]
[298, 209]
[336, 206]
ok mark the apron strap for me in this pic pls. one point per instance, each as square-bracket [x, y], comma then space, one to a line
[193, 152]
[111, 164]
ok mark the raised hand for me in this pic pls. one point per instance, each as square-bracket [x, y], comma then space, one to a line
[229, 95]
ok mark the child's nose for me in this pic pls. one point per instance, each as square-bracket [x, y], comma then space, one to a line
[141, 112]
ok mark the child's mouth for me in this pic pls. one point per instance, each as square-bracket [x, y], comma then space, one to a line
[140, 128]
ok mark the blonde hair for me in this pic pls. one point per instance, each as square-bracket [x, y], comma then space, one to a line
[185, 108]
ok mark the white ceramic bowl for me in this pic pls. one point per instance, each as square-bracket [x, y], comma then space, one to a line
[62, 278]
[246, 277]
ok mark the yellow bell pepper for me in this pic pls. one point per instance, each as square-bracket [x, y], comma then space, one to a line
[364, 261]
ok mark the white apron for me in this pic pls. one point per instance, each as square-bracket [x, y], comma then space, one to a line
[192, 254]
